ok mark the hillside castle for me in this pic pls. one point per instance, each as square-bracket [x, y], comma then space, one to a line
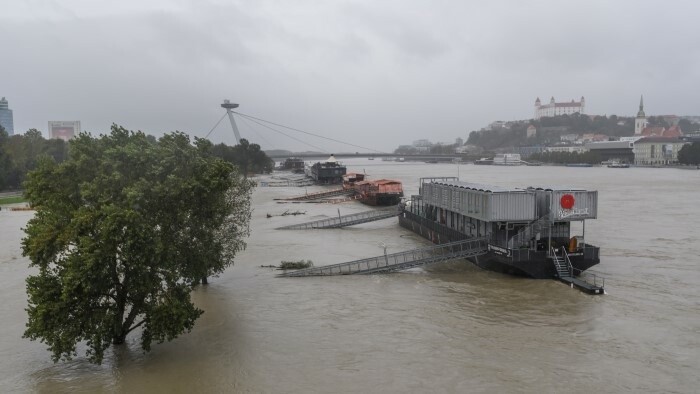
[555, 109]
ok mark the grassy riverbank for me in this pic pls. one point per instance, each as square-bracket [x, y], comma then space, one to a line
[12, 200]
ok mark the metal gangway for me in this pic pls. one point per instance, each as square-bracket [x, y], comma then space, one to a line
[318, 195]
[400, 261]
[346, 220]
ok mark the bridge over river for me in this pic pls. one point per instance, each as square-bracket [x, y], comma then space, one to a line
[416, 157]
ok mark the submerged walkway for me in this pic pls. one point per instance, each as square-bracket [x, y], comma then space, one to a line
[400, 261]
[346, 220]
[318, 195]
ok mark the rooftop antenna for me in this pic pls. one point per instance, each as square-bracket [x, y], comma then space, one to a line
[229, 106]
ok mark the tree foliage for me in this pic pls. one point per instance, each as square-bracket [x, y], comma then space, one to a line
[124, 227]
[690, 154]
[249, 157]
[19, 154]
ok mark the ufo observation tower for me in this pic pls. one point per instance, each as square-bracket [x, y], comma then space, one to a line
[229, 106]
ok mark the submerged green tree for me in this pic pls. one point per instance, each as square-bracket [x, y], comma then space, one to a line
[690, 154]
[123, 229]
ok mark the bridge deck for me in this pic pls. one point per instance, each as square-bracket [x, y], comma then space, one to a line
[346, 220]
[400, 261]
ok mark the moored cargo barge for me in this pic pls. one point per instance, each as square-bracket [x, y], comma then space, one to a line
[536, 231]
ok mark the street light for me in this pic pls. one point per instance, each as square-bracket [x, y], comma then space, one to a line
[386, 258]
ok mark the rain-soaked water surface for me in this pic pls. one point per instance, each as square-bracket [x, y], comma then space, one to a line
[447, 328]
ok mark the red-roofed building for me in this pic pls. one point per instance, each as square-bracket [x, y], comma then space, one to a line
[660, 131]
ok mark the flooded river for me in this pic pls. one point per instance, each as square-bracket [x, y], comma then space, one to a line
[448, 328]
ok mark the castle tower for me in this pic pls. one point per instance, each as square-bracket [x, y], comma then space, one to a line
[641, 121]
[583, 106]
[538, 104]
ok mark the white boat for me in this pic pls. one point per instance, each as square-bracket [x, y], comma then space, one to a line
[617, 164]
[507, 159]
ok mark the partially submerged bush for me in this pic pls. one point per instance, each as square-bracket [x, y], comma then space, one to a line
[295, 265]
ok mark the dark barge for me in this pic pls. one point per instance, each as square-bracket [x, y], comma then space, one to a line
[326, 173]
[537, 232]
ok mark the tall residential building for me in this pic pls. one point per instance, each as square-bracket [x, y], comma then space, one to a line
[556, 109]
[6, 117]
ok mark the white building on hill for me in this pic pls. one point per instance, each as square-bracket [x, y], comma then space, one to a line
[555, 109]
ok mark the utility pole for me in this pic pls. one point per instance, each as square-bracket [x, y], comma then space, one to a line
[229, 106]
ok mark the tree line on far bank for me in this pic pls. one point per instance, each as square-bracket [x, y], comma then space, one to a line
[688, 155]
[20, 154]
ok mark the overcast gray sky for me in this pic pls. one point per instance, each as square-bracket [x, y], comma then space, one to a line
[375, 73]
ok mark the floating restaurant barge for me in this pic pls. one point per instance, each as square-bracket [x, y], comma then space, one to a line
[326, 173]
[537, 232]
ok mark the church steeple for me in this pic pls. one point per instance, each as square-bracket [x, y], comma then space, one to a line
[641, 122]
[641, 114]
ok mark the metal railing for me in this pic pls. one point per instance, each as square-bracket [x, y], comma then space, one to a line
[447, 232]
[317, 195]
[588, 277]
[401, 260]
[346, 220]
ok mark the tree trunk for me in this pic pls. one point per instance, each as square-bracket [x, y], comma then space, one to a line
[204, 280]
[118, 339]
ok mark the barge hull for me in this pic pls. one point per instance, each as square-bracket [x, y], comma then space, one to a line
[533, 264]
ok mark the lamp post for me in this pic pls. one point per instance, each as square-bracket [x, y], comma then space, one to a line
[386, 258]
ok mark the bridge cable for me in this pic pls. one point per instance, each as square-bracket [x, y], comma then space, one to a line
[285, 134]
[256, 132]
[217, 123]
[306, 132]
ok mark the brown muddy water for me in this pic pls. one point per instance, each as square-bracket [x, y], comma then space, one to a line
[448, 328]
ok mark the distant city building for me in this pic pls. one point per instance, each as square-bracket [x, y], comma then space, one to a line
[64, 130]
[6, 117]
[499, 124]
[468, 149]
[631, 139]
[660, 131]
[671, 119]
[527, 151]
[567, 149]
[531, 131]
[657, 151]
[569, 137]
[591, 137]
[422, 145]
[622, 151]
[556, 109]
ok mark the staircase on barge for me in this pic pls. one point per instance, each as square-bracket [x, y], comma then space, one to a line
[346, 220]
[566, 273]
[400, 261]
